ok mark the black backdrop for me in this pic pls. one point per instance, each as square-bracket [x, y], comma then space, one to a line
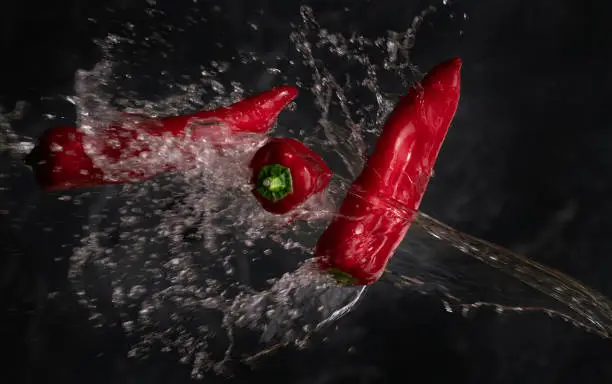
[534, 159]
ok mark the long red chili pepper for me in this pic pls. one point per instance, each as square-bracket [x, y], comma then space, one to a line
[285, 173]
[359, 242]
[59, 160]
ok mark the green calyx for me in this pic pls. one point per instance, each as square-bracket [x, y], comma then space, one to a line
[342, 277]
[274, 182]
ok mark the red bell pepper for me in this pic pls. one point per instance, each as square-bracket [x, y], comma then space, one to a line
[285, 173]
[59, 160]
[380, 205]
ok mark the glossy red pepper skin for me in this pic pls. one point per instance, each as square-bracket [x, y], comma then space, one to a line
[380, 205]
[309, 172]
[60, 162]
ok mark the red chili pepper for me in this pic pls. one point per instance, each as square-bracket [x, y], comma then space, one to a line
[285, 173]
[361, 239]
[60, 161]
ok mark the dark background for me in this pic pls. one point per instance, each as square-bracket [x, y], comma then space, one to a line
[527, 167]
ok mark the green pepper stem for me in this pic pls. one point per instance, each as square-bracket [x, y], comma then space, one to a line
[274, 182]
[342, 277]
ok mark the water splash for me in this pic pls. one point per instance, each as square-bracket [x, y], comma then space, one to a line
[188, 262]
[11, 143]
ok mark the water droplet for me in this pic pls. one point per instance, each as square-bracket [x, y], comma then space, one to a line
[217, 87]
[128, 326]
[273, 71]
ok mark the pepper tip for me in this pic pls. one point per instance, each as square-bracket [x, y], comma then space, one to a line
[452, 65]
[447, 73]
[455, 62]
[287, 92]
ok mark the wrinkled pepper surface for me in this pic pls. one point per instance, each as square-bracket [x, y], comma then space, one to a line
[285, 173]
[60, 161]
[380, 205]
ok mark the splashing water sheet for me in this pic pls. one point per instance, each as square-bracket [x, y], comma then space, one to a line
[188, 262]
